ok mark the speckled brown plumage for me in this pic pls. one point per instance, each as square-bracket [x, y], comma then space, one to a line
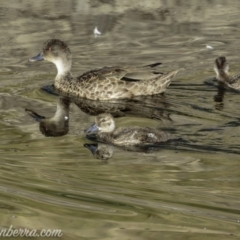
[126, 136]
[134, 136]
[105, 83]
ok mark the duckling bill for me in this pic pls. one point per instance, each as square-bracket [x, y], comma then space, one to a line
[105, 83]
[105, 131]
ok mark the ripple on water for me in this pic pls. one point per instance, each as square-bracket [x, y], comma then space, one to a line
[186, 189]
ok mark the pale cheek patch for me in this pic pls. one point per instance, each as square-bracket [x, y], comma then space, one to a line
[109, 128]
[112, 126]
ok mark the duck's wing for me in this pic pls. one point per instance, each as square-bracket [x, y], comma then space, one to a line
[124, 136]
[235, 78]
[117, 73]
[139, 135]
[233, 81]
[112, 73]
[130, 135]
[142, 73]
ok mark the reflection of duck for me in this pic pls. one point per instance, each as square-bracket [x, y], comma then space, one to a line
[100, 151]
[105, 83]
[142, 106]
[104, 128]
[221, 68]
[219, 97]
[149, 107]
[58, 125]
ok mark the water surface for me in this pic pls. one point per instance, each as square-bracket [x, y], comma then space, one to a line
[183, 190]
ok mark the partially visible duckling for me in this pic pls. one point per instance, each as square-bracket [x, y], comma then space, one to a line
[221, 68]
[104, 128]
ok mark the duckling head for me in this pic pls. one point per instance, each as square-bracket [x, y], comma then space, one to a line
[57, 52]
[221, 66]
[103, 123]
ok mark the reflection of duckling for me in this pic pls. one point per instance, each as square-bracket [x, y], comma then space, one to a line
[104, 127]
[105, 83]
[100, 151]
[58, 125]
[221, 68]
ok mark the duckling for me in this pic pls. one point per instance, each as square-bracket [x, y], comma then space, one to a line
[105, 83]
[221, 68]
[104, 129]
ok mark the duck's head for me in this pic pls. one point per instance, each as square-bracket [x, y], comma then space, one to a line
[221, 66]
[103, 123]
[57, 52]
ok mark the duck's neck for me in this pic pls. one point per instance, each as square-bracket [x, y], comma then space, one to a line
[222, 74]
[64, 71]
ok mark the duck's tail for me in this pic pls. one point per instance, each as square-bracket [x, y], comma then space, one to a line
[154, 85]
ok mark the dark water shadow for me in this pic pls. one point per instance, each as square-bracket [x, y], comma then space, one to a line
[153, 107]
[221, 89]
[104, 151]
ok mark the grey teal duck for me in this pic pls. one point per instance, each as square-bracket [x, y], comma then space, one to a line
[105, 83]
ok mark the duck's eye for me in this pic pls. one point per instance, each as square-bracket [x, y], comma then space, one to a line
[48, 49]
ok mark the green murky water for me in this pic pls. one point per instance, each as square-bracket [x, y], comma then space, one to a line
[185, 190]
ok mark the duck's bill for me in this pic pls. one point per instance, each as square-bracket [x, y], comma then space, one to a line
[92, 147]
[39, 57]
[92, 129]
[34, 115]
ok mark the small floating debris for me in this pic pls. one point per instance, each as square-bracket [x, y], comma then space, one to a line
[96, 32]
[209, 47]
[66, 117]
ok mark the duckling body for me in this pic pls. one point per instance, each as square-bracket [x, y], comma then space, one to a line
[221, 68]
[134, 136]
[105, 83]
[104, 128]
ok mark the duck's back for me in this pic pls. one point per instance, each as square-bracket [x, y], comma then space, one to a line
[103, 84]
[234, 82]
[139, 136]
[119, 83]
